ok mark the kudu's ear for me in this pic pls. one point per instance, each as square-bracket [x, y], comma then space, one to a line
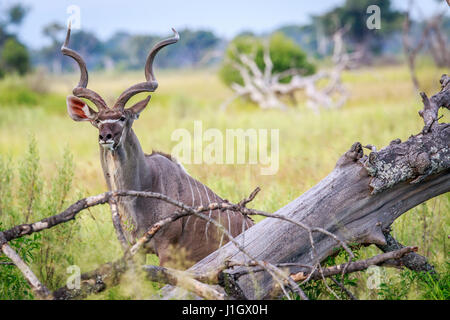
[78, 110]
[138, 107]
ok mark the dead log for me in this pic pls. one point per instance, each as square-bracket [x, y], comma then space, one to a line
[357, 201]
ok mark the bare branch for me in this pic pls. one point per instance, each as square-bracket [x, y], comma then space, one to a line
[412, 260]
[431, 106]
[184, 280]
[268, 64]
[118, 225]
[40, 290]
[343, 288]
[354, 266]
[410, 50]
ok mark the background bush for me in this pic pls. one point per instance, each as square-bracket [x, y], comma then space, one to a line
[285, 54]
[14, 57]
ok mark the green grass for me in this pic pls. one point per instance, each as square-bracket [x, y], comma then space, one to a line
[382, 107]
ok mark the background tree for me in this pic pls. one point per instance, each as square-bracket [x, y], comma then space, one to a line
[266, 71]
[306, 36]
[428, 35]
[14, 56]
[284, 53]
[125, 51]
[194, 48]
[353, 13]
[51, 53]
[84, 41]
[131, 50]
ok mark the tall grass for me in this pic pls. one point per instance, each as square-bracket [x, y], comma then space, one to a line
[27, 197]
[382, 107]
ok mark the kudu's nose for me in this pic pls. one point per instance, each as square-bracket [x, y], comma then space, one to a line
[106, 134]
[108, 137]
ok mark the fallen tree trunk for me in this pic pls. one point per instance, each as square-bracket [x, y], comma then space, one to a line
[357, 201]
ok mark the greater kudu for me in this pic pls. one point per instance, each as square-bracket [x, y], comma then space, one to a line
[127, 167]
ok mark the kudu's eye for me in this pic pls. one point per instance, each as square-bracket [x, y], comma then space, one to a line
[123, 119]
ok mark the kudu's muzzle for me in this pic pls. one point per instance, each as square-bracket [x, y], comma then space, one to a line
[109, 135]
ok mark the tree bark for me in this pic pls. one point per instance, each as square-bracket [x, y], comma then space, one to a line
[412, 261]
[357, 201]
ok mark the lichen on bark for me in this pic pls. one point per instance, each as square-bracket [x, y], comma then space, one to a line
[421, 155]
[413, 160]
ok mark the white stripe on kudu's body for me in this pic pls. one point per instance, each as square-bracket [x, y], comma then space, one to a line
[209, 215]
[193, 199]
[201, 203]
[126, 167]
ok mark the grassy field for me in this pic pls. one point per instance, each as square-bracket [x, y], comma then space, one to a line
[382, 107]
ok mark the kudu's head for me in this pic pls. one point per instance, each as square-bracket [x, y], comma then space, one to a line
[114, 122]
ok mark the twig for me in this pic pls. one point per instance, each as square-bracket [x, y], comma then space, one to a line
[343, 288]
[412, 260]
[431, 106]
[184, 280]
[355, 266]
[117, 225]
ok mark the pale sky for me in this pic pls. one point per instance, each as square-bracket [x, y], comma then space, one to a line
[225, 18]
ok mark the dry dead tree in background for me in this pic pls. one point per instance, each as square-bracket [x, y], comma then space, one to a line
[431, 38]
[266, 89]
[354, 204]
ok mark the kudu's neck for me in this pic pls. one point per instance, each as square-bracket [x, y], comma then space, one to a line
[125, 167]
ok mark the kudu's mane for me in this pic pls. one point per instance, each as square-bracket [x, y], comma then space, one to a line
[168, 156]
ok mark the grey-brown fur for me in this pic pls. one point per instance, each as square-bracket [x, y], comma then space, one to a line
[128, 168]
